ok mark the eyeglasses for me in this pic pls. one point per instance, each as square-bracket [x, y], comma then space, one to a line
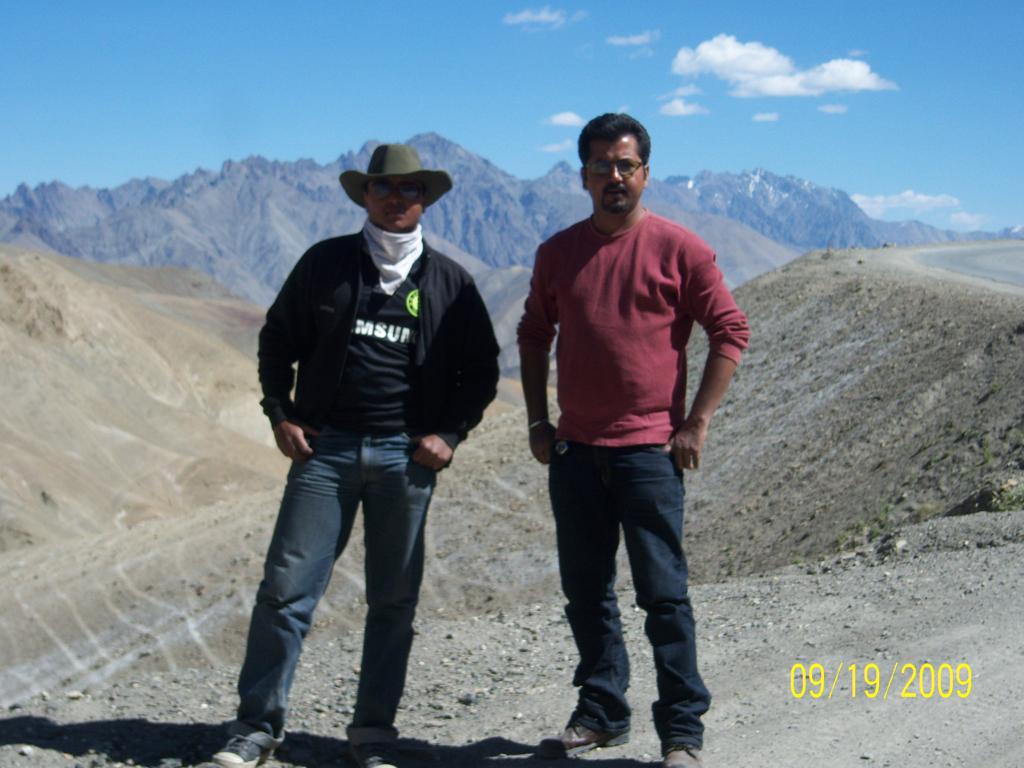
[408, 190]
[625, 167]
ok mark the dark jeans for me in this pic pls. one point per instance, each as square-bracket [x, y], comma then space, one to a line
[313, 526]
[595, 491]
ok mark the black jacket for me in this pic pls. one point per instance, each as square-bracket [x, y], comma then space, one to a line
[311, 321]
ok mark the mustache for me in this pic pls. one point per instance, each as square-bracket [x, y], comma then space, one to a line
[614, 188]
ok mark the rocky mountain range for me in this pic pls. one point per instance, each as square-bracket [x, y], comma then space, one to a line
[800, 214]
[246, 223]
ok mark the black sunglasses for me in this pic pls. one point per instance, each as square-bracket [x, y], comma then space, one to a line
[383, 189]
[625, 167]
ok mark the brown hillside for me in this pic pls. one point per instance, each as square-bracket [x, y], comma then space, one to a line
[873, 395]
[125, 399]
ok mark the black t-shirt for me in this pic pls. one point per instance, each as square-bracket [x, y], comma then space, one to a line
[378, 391]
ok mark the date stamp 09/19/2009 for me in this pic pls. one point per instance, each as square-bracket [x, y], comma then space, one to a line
[905, 680]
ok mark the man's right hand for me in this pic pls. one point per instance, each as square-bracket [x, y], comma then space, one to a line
[542, 438]
[291, 439]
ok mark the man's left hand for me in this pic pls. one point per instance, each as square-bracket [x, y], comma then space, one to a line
[433, 452]
[686, 444]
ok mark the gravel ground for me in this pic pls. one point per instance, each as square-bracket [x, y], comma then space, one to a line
[484, 688]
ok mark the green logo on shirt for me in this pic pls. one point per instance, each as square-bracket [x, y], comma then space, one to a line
[412, 302]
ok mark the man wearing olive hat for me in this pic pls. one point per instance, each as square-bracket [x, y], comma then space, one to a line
[396, 362]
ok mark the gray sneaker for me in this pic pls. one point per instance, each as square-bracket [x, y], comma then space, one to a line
[374, 755]
[244, 751]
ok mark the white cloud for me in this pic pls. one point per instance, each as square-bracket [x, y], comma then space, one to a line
[878, 206]
[911, 203]
[968, 221]
[754, 69]
[565, 118]
[842, 75]
[536, 19]
[833, 109]
[561, 146]
[766, 117]
[728, 58]
[644, 38]
[681, 107]
[687, 90]
[857, 53]
[681, 91]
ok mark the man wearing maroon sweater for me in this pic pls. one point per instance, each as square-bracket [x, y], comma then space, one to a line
[623, 289]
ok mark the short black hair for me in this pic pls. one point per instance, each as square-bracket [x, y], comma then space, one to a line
[609, 127]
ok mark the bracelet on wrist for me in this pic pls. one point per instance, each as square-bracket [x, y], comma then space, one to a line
[537, 423]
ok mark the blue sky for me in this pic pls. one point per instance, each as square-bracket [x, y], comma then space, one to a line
[916, 108]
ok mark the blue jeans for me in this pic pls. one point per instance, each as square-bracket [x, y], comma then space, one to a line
[595, 492]
[313, 526]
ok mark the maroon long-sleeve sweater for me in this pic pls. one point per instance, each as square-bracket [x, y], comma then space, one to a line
[624, 307]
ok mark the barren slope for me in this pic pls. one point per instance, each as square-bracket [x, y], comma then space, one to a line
[871, 395]
[120, 403]
[839, 422]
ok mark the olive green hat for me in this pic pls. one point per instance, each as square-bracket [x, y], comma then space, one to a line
[396, 160]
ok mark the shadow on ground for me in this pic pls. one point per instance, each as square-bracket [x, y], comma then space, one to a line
[172, 745]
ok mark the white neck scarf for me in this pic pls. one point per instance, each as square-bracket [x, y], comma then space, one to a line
[393, 253]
